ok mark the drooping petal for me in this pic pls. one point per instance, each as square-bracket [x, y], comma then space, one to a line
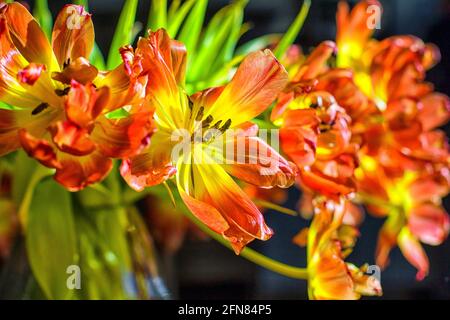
[429, 223]
[76, 173]
[414, 253]
[256, 84]
[214, 198]
[153, 166]
[28, 36]
[259, 164]
[39, 149]
[73, 34]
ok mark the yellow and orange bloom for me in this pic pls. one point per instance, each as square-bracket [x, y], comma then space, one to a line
[60, 100]
[210, 119]
[412, 205]
[329, 241]
[315, 132]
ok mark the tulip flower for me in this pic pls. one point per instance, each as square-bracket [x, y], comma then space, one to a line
[61, 101]
[216, 119]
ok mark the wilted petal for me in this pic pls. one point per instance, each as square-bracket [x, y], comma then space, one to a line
[70, 138]
[120, 138]
[414, 253]
[153, 166]
[85, 103]
[429, 223]
[39, 149]
[76, 173]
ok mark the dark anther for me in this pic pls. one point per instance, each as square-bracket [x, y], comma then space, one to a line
[66, 63]
[314, 105]
[39, 109]
[199, 116]
[226, 126]
[207, 121]
[217, 124]
[61, 93]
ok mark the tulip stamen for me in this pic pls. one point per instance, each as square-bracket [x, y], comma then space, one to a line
[39, 108]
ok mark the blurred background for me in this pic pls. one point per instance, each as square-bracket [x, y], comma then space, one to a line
[205, 269]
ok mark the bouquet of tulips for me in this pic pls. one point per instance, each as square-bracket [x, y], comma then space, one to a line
[200, 129]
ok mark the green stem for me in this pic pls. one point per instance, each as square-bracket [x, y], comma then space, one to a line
[273, 206]
[289, 37]
[253, 256]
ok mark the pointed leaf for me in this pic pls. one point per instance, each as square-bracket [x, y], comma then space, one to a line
[50, 238]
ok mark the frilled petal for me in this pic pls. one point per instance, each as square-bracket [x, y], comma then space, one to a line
[76, 173]
[153, 166]
[79, 70]
[39, 149]
[256, 84]
[31, 73]
[255, 162]
[85, 103]
[120, 138]
[70, 138]
[414, 253]
[298, 136]
[215, 199]
[429, 223]
[28, 36]
[331, 280]
[73, 34]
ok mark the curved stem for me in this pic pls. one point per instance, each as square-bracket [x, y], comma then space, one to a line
[255, 257]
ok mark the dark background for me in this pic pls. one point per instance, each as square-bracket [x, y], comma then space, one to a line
[208, 270]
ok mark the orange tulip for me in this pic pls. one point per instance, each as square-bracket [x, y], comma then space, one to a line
[208, 118]
[61, 100]
[329, 242]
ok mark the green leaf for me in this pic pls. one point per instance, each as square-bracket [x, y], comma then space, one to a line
[157, 17]
[176, 18]
[124, 32]
[43, 16]
[97, 58]
[28, 173]
[192, 27]
[290, 36]
[220, 36]
[4, 105]
[258, 43]
[50, 238]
